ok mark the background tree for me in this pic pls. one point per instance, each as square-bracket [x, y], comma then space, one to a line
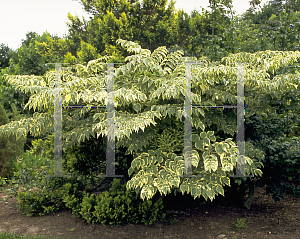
[77, 32]
[110, 28]
[191, 34]
[29, 37]
[10, 148]
[277, 24]
[149, 23]
[50, 48]
[219, 19]
[35, 52]
[87, 52]
[4, 56]
[69, 58]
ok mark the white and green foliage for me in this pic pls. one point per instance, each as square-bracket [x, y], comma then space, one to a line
[157, 170]
[150, 88]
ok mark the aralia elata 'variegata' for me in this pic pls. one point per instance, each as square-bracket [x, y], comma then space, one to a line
[110, 155]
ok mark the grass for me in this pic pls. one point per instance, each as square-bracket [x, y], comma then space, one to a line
[9, 235]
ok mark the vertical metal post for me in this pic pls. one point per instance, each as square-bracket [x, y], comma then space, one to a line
[58, 123]
[240, 137]
[110, 154]
[240, 170]
[188, 123]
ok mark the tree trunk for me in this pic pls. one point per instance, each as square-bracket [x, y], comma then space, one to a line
[249, 199]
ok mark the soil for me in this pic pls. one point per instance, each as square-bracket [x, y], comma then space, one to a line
[265, 219]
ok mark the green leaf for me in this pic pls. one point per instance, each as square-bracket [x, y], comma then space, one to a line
[211, 163]
[130, 171]
[96, 116]
[272, 17]
[195, 138]
[219, 149]
[195, 191]
[160, 159]
[158, 152]
[202, 126]
[212, 138]
[210, 194]
[225, 180]
[127, 132]
[206, 177]
[221, 172]
[154, 169]
[233, 159]
[144, 162]
[220, 190]
[134, 164]
[199, 145]
[147, 192]
[151, 152]
[86, 134]
[203, 135]
[225, 146]
[201, 112]
[206, 142]
[183, 187]
[205, 154]
[204, 193]
[19, 134]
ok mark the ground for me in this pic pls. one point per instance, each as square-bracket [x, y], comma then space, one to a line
[265, 219]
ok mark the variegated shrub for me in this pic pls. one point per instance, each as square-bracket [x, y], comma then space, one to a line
[149, 91]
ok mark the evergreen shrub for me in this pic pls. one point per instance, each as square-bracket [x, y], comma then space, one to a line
[114, 207]
[119, 207]
[282, 162]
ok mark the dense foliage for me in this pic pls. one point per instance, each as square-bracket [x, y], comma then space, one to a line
[149, 103]
[163, 96]
[10, 147]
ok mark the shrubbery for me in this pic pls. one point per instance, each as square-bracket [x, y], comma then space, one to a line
[114, 207]
[282, 162]
[119, 207]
